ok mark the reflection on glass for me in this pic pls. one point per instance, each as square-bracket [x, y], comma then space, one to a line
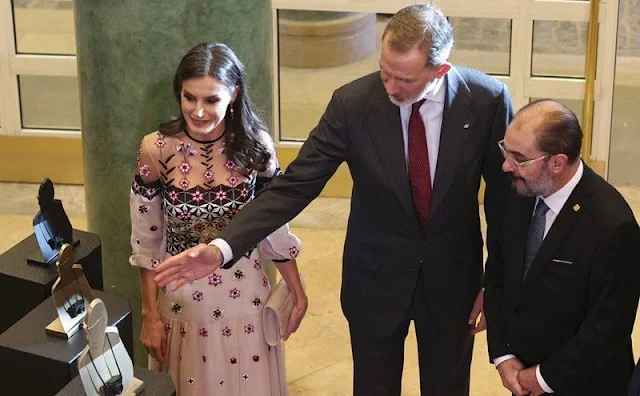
[624, 147]
[319, 52]
[573, 105]
[44, 27]
[559, 48]
[482, 43]
[49, 102]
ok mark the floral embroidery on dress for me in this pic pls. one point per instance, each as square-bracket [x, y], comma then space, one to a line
[234, 293]
[144, 170]
[143, 209]
[176, 308]
[203, 332]
[245, 377]
[160, 143]
[232, 180]
[293, 252]
[256, 358]
[190, 381]
[265, 281]
[197, 296]
[167, 327]
[256, 302]
[173, 195]
[249, 329]
[238, 275]
[217, 313]
[197, 196]
[185, 167]
[183, 332]
[215, 279]
[155, 262]
[230, 165]
[208, 175]
[233, 360]
[226, 331]
[257, 265]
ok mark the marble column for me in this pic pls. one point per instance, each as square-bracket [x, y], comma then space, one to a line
[127, 54]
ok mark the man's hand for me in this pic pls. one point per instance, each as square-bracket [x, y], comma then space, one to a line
[509, 370]
[300, 305]
[478, 311]
[194, 263]
[528, 380]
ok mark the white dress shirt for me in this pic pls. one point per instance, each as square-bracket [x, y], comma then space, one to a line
[555, 202]
[432, 111]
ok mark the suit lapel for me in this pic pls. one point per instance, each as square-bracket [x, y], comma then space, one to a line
[575, 206]
[457, 124]
[385, 130]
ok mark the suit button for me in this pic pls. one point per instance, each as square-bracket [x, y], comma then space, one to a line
[421, 261]
[517, 311]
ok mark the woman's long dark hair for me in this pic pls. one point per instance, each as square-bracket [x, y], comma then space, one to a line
[216, 60]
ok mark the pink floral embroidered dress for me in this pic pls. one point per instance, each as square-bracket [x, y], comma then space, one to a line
[185, 192]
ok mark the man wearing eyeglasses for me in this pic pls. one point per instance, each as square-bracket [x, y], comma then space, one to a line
[562, 293]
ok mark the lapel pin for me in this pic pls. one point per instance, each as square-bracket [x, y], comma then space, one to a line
[576, 207]
[466, 126]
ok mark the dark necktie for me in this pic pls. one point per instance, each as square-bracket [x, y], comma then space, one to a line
[535, 235]
[419, 172]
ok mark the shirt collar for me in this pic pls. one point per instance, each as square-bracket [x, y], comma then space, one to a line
[437, 94]
[556, 201]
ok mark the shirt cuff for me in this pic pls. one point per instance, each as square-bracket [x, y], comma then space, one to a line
[227, 253]
[503, 358]
[541, 381]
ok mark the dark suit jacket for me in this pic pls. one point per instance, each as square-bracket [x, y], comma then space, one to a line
[574, 319]
[385, 245]
[634, 386]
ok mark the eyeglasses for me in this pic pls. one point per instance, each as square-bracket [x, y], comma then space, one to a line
[508, 156]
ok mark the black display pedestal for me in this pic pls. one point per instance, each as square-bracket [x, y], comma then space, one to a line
[155, 384]
[34, 363]
[24, 285]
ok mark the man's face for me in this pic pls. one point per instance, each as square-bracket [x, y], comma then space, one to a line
[406, 76]
[529, 179]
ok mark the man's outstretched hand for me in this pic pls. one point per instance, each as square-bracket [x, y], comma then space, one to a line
[194, 263]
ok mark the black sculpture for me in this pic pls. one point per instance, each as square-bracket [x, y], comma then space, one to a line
[51, 225]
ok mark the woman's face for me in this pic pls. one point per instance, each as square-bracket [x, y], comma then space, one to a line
[204, 102]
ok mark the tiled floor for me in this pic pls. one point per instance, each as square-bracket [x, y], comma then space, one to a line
[318, 355]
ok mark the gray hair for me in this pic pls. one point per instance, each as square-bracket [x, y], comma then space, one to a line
[424, 25]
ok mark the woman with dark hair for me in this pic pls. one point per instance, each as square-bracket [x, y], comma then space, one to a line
[194, 175]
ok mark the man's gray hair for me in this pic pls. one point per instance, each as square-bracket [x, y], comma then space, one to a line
[424, 25]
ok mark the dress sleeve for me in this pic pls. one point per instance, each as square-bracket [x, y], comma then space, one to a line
[147, 215]
[281, 245]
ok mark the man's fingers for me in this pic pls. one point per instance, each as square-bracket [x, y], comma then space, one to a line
[179, 283]
[168, 275]
[480, 327]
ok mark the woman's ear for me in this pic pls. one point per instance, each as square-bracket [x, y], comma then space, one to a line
[234, 95]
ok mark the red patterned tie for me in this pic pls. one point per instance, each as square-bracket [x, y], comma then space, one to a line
[419, 172]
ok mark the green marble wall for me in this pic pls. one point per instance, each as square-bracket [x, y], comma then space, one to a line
[127, 54]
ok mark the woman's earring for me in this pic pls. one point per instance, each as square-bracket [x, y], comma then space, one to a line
[231, 112]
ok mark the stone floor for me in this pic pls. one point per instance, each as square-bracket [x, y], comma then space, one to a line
[318, 355]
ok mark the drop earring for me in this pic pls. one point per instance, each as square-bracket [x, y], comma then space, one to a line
[231, 112]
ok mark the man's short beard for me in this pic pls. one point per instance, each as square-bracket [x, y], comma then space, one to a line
[428, 88]
[541, 187]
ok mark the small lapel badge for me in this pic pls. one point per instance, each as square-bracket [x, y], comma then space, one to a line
[576, 207]
[466, 126]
